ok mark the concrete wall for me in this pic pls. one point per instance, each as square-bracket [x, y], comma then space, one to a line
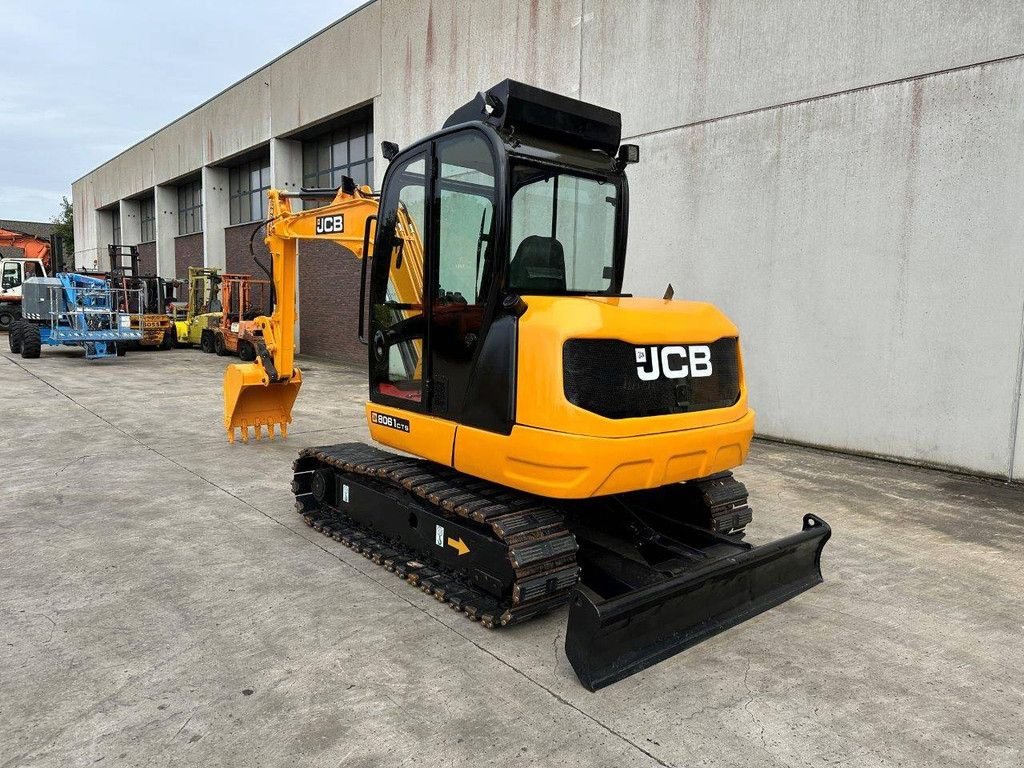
[868, 248]
[841, 178]
[166, 199]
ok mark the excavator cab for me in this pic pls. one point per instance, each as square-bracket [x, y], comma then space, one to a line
[510, 210]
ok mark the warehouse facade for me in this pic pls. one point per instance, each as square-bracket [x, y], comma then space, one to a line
[841, 178]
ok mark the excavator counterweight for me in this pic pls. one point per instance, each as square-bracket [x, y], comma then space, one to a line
[561, 442]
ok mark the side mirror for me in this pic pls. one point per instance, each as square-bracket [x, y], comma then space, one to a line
[628, 154]
[389, 149]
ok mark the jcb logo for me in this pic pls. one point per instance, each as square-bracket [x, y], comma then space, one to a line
[674, 362]
[327, 225]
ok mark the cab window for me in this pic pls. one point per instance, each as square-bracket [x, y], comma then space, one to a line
[11, 276]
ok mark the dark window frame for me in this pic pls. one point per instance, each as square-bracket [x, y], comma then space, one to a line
[190, 208]
[345, 150]
[247, 191]
[147, 220]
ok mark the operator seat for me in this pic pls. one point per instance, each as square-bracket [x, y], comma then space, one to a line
[538, 266]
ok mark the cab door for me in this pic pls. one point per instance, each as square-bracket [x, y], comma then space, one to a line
[398, 321]
[463, 253]
[433, 278]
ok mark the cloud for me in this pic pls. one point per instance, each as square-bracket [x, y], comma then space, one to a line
[84, 81]
[28, 203]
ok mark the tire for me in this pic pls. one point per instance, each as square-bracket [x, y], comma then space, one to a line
[218, 345]
[8, 317]
[120, 349]
[206, 342]
[31, 342]
[14, 337]
[168, 340]
[246, 352]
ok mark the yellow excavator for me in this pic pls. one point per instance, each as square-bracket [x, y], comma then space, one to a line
[562, 442]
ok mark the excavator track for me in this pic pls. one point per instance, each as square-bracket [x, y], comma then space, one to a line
[382, 505]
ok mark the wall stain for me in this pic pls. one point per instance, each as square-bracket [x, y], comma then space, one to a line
[702, 23]
[909, 203]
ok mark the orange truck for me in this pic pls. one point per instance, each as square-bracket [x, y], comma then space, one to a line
[14, 270]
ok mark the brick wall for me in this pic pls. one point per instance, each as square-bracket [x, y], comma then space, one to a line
[147, 258]
[329, 303]
[188, 252]
[236, 250]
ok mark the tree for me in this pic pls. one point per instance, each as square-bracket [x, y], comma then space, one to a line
[64, 227]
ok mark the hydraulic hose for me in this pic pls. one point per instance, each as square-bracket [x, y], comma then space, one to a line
[269, 273]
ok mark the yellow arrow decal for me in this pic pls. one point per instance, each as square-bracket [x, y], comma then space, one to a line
[458, 545]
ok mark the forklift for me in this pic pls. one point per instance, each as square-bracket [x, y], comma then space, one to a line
[196, 321]
[243, 299]
[154, 294]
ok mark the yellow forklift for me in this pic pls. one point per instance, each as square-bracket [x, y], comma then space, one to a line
[196, 321]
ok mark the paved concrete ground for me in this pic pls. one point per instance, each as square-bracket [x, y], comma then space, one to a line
[162, 604]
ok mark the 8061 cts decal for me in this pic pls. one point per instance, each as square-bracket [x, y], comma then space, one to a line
[394, 422]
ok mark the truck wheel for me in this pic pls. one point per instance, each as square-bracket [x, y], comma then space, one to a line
[218, 345]
[246, 352]
[206, 342]
[31, 342]
[14, 337]
[120, 349]
[7, 318]
[168, 340]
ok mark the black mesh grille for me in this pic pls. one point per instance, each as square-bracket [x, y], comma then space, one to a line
[600, 375]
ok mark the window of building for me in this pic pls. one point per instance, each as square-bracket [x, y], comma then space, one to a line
[248, 184]
[190, 208]
[147, 216]
[343, 151]
[115, 227]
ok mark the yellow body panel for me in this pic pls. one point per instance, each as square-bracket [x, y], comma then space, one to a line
[153, 327]
[551, 320]
[191, 331]
[429, 437]
[559, 450]
[561, 465]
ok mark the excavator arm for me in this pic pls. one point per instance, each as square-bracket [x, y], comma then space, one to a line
[261, 394]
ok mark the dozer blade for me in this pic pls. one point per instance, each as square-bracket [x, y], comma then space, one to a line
[610, 639]
[252, 400]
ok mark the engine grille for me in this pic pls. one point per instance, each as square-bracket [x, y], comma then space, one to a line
[600, 375]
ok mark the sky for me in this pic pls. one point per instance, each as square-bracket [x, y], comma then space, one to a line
[82, 81]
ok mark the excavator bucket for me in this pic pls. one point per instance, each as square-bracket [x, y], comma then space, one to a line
[252, 400]
[614, 635]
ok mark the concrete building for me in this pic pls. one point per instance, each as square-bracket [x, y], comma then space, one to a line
[843, 179]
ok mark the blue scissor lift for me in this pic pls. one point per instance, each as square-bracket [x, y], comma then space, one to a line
[74, 310]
